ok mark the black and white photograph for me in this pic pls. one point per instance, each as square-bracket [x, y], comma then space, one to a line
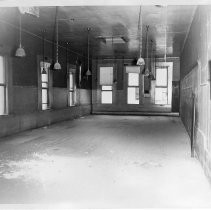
[105, 104]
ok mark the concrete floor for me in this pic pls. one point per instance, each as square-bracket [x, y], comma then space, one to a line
[103, 162]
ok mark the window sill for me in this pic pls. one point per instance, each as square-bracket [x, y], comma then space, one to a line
[43, 110]
[72, 105]
[4, 115]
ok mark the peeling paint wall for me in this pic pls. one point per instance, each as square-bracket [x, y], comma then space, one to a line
[195, 73]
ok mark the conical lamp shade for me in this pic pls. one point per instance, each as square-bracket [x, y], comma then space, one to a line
[88, 73]
[140, 62]
[20, 52]
[57, 66]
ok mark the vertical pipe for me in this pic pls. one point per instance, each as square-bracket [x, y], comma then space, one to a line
[193, 125]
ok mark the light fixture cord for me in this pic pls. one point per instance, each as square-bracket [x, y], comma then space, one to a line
[88, 47]
[20, 26]
[147, 45]
[165, 32]
[43, 47]
[151, 55]
[57, 37]
[140, 31]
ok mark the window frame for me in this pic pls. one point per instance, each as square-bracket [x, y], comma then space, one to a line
[72, 70]
[112, 78]
[107, 91]
[133, 86]
[162, 86]
[47, 89]
[5, 86]
[101, 86]
[50, 86]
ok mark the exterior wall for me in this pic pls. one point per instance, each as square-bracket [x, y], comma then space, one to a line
[195, 73]
[24, 106]
[120, 92]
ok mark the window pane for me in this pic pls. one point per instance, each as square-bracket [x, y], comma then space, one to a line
[106, 75]
[133, 69]
[133, 95]
[44, 84]
[70, 81]
[45, 96]
[71, 102]
[2, 76]
[106, 87]
[2, 100]
[161, 77]
[133, 79]
[160, 95]
[106, 97]
[44, 77]
[44, 106]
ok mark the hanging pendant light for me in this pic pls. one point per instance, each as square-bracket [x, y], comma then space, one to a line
[57, 65]
[88, 73]
[20, 52]
[43, 49]
[140, 61]
[146, 71]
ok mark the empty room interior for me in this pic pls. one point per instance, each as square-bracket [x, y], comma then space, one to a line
[105, 105]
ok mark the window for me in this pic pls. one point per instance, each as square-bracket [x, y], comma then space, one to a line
[161, 89]
[71, 89]
[45, 76]
[106, 82]
[160, 95]
[3, 87]
[106, 75]
[133, 88]
[161, 77]
[106, 95]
